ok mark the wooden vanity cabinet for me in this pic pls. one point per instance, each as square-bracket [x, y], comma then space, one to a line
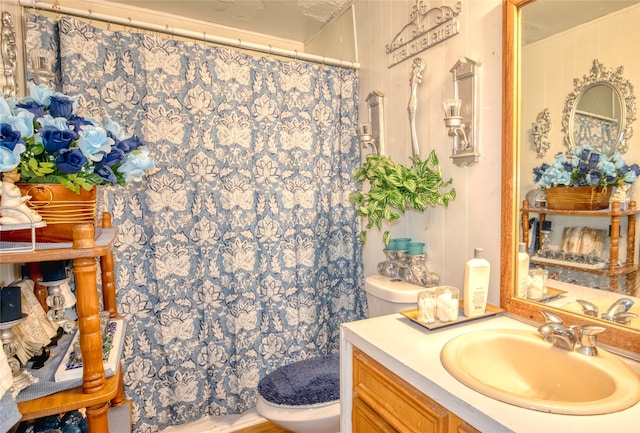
[385, 403]
[98, 394]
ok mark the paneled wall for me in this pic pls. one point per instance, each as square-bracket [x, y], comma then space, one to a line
[473, 219]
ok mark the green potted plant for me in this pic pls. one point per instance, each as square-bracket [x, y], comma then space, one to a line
[394, 188]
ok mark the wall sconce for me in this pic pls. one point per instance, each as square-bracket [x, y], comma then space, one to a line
[372, 133]
[461, 114]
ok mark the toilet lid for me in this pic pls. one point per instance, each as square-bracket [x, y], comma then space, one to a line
[310, 381]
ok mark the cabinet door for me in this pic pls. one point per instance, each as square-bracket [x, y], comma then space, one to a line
[402, 406]
[365, 420]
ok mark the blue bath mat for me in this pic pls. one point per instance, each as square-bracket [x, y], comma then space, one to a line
[311, 381]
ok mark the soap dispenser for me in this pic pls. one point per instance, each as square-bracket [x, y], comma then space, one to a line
[476, 284]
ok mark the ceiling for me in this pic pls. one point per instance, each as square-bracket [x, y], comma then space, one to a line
[544, 18]
[296, 20]
[301, 20]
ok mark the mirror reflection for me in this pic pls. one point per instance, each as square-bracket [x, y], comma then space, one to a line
[583, 76]
[595, 120]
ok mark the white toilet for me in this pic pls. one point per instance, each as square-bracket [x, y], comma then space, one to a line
[304, 397]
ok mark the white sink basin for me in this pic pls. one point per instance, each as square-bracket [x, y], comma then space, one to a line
[520, 368]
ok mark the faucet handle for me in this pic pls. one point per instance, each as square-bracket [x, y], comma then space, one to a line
[587, 339]
[550, 317]
[588, 308]
[624, 318]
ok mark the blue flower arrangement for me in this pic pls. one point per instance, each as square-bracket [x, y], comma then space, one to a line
[42, 137]
[582, 166]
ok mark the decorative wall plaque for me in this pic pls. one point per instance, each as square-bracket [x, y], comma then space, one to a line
[9, 56]
[426, 28]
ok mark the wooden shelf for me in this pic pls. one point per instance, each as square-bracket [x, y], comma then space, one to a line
[102, 246]
[582, 213]
[629, 269]
[97, 392]
[71, 399]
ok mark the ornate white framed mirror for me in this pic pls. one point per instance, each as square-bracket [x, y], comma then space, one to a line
[600, 110]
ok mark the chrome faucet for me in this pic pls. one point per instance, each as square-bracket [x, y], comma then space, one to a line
[581, 339]
[618, 312]
[555, 332]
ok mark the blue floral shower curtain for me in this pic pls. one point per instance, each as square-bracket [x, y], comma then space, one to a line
[241, 252]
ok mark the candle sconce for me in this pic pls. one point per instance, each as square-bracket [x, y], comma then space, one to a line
[461, 114]
[372, 133]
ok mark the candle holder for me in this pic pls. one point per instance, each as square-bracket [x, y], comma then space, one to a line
[56, 302]
[21, 378]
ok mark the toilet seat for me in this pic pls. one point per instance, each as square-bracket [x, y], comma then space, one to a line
[308, 382]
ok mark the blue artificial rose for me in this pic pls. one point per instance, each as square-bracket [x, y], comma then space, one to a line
[77, 122]
[21, 122]
[630, 176]
[114, 129]
[55, 140]
[106, 173]
[41, 94]
[116, 156]
[135, 165]
[129, 144]
[62, 105]
[607, 167]
[9, 137]
[70, 161]
[34, 107]
[593, 177]
[10, 158]
[58, 122]
[617, 160]
[94, 143]
[582, 152]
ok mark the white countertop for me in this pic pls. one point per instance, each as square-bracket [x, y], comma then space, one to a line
[413, 353]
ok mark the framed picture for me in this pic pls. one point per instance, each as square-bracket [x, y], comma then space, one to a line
[583, 240]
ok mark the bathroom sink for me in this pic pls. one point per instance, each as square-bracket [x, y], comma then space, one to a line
[520, 368]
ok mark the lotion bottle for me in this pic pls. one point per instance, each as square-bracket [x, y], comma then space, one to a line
[523, 270]
[476, 284]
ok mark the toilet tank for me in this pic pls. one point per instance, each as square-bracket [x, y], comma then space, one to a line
[385, 296]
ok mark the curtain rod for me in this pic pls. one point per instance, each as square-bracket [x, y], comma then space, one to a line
[235, 43]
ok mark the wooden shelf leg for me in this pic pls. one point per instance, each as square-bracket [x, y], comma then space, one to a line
[108, 274]
[97, 418]
[87, 306]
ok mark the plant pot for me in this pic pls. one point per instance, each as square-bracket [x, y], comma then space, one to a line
[59, 207]
[578, 197]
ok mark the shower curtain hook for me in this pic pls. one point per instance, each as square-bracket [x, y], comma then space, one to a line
[90, 17]
[239, 43]
[270, 51]
[296, 51]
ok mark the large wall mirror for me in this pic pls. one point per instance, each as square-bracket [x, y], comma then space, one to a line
[539, 74]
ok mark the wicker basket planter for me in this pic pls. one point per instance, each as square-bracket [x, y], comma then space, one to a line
[578, 197]
[60, 207]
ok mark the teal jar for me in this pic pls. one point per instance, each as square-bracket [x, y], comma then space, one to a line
[402, 244]
[391, 245]
[416, 248]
